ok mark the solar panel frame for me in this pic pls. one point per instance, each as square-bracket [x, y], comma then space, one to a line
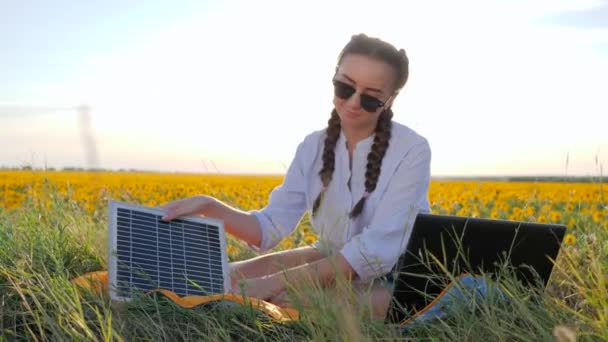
[117, 292]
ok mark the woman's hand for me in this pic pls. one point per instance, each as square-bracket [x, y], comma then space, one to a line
[265, 288]
[188, 206]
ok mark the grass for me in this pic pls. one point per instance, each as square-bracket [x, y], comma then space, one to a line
[45, 244]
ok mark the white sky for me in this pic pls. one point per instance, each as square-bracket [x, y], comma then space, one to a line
[498, 88]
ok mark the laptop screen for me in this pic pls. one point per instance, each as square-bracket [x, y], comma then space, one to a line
[441, 245]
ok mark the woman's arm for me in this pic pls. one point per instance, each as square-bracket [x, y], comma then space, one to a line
[324, 271]
[241, 224]
[271, 263]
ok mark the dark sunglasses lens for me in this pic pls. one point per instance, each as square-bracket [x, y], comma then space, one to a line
[343, 90]
[370, 103]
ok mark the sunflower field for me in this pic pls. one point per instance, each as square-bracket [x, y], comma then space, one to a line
[52, 228]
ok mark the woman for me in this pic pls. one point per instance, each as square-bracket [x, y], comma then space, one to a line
[363, 179]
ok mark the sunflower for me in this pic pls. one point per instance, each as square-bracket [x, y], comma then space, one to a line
[598, 216]
[569, 239]
[555, 216]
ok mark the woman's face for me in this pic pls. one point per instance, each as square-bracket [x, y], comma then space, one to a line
[367, 76]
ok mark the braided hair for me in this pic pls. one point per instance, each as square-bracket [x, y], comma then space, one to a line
[380, 50]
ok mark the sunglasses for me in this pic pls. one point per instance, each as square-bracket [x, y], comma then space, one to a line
[345, 91]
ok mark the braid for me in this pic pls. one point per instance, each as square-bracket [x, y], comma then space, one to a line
[374, 158]
[326, 173]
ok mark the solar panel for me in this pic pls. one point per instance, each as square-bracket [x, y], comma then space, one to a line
[186, 255]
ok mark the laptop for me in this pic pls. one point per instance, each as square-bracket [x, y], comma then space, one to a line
[441, 245]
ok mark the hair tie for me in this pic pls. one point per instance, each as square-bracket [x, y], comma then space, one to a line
[366, 194]
[323, 188]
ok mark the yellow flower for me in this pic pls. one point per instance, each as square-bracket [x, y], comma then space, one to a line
[310, 239]
[287, 244]
[569, 239]
[572, 223]
[463, 212]
[542, 219]
[598, 216]
[530, 211]
[231, 250]
[555, 216]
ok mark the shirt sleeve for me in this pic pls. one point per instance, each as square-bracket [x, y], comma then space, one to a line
[286, 205]
[373, 252]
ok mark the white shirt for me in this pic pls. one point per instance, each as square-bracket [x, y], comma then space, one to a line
[372, 242]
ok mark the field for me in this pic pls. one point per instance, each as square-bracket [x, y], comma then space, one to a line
[53, 228]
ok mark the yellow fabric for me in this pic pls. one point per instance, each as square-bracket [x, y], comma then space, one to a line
[97, 282]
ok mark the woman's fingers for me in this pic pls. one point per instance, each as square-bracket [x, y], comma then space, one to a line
[168, 216]
[173, 209]
[173, 213]
[183, 207]
[177, 208]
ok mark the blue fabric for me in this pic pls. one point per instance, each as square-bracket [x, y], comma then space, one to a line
[465, 290]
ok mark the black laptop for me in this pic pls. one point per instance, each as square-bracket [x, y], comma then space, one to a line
[441, 244]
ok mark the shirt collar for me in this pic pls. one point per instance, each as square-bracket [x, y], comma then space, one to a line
[362, 144]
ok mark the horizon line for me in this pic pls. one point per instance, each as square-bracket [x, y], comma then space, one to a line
[437, 177]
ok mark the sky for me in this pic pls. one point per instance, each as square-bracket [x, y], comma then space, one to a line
[499, 88]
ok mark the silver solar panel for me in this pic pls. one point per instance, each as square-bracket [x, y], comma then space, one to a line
[186, 255]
